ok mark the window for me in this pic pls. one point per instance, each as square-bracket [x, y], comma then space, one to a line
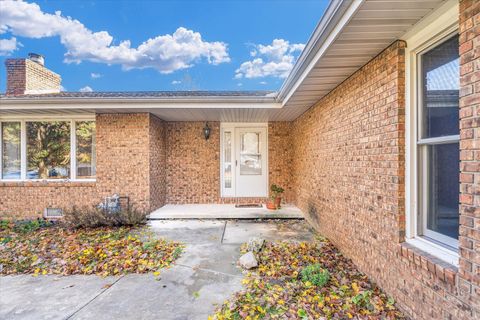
[85, 151]
[11, 150]
[438, 141]
[48, 149]
[227, 160]
[250, 156]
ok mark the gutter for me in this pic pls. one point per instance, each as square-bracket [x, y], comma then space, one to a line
[336, 16]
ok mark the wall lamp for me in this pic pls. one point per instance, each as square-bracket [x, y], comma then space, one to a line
[206, 131]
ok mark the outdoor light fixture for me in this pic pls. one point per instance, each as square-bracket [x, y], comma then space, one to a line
[206, 131]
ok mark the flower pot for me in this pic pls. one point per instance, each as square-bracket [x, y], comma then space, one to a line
[271, 205]
[278, 202]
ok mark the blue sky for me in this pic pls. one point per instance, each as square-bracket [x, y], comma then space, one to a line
[160, 45]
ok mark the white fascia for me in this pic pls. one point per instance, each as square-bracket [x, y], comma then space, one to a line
[336, 17]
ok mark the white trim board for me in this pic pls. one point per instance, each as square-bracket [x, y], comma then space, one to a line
[431, 29]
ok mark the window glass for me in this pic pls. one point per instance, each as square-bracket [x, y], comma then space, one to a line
[443, 183]
[227, 174]
[48, 149]
[250, 157]
[440, 157]
[11, 163]
[85, 152]
[441, 82]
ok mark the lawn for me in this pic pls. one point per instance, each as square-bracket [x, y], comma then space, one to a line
[37, 247]
[283, 287]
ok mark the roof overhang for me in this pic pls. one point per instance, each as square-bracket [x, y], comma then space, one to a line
[224, 108]
[350, 33]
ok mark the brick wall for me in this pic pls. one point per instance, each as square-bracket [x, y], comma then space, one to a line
[348, 173]
[25, 76]
[469, 273]
[280, 157]
[29, 199]
[158, 161]
[348, 164]
[130, 161]
[123, 156]
[193, 163]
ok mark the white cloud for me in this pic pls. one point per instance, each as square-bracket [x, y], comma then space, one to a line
[176, 82]
[7, 46]
[263, 82]
[94, 75]
[275, 60]
[86, 89]
[239, 84]
[165, 53]
[62, 88]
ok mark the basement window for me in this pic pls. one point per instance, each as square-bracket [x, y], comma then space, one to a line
[48, 149]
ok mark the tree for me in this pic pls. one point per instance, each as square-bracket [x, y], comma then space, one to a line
[48, 146]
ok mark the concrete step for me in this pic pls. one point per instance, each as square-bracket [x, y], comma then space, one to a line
[223, 211]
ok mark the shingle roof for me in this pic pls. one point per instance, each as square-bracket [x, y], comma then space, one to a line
[144, 94]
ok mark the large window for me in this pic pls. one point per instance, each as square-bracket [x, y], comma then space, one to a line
[438, 141]
[48, 149]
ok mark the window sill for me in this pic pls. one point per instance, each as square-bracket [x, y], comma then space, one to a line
[438, 251]
[440, 262]
[47, 183]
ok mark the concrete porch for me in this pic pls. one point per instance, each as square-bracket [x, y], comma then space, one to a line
[223, 211]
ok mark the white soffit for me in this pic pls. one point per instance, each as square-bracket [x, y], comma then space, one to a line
[350, 34]
[168, 114]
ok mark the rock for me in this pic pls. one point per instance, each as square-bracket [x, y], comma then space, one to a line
[255, 244]
[248, 261]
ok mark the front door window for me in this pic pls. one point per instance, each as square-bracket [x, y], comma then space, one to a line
[250, 156]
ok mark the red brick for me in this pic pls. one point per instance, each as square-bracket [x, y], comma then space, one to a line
[25, 76]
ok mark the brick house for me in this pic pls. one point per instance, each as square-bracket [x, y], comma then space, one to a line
[375, 135]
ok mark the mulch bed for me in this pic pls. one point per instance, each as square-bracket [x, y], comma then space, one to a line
[49, 249]
[276, 290]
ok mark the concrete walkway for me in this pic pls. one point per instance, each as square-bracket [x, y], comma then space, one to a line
[223, 211]
[203, 277]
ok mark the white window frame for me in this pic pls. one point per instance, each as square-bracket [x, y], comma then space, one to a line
[232, 126]
[23, 146]
[428, 33]
[422, 147]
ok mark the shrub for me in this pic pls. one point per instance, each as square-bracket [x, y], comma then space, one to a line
[91, 217]
[315, 274]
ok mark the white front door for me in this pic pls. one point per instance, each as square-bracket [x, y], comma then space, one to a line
[244, 161]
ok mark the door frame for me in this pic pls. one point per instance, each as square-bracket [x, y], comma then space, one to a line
[232, 126]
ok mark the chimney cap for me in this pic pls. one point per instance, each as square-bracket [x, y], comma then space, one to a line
[38, 58]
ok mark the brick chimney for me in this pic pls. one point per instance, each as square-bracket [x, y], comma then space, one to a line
[30, 76]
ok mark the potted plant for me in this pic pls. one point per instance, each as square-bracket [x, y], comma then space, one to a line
[275, 197]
